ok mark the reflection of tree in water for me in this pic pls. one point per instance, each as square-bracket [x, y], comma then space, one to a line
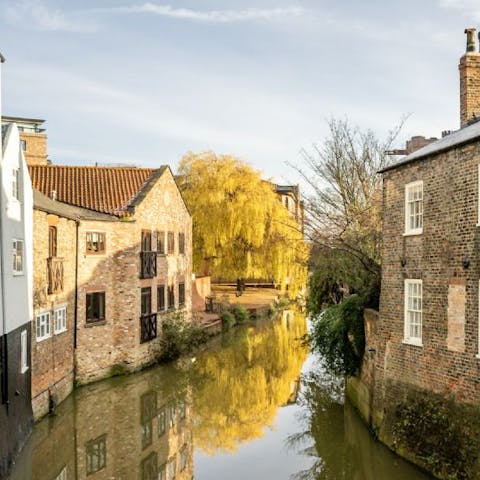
[323, 437]
[245, 382]
[334, 436]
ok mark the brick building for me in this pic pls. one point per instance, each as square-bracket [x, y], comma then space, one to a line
[134, 261]
[55, 226]
[33, 139]
[427, 336]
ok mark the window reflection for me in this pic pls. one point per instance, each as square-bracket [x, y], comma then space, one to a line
[96, 451]
[149, 467]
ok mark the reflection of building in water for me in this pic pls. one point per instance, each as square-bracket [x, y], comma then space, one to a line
[137, 427]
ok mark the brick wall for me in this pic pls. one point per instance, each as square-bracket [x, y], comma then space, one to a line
[52, 358]
[115, 343]
[36, 148]
[447, 362]
[469, 87]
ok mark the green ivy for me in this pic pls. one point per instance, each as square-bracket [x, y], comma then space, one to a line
[338, 335]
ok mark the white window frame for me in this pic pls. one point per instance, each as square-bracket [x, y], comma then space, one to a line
[16, 241]
[23, 351]
[63, 327]
[408, 310]
[48, 329]
[408, 229]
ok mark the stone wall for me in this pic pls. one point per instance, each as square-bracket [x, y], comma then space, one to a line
[52, 357]
[113, 346]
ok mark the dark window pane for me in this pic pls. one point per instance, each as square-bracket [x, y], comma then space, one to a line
[181, 243]
[95, 306]
[52, 241]
[160, 298]
[160, 242]
[181, 294]
[146, 241]
[146, 304]
[171, 242]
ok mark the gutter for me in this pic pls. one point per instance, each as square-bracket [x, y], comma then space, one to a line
[407, 161]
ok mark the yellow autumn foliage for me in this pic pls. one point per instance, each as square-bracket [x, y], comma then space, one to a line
[246, 384]
[240, 228]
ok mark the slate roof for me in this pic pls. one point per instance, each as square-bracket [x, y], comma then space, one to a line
[45, 204]
[108, 190]
[456, 139]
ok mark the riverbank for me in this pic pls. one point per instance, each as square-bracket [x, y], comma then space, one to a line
[257, 301]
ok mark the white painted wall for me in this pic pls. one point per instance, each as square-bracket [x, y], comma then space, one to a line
[2, 324]
[16, 219]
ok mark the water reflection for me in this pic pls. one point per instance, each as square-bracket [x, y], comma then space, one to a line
[340, 446]
[137, 427]
[242, 404]
[256, 371]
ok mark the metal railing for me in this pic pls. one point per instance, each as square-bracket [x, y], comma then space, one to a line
[148, 264]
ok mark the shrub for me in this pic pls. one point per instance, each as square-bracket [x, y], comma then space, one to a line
[228, 320]
[241, 313]
[436, 432]
[338, 335]
[180, 337]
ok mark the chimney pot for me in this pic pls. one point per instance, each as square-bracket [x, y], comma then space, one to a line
[471, 40]
[53, 194]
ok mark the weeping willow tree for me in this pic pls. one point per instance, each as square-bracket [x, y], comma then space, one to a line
[240, 228]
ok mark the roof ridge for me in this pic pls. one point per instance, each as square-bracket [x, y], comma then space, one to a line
[110, 190]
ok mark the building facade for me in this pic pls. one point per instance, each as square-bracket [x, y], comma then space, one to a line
[55, 228]
[15, 296]
[423, 349]
[33, 139]
[134, 261]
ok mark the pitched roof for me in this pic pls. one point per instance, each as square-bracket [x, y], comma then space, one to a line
[103, 189]
[455, 139]
[45, 204]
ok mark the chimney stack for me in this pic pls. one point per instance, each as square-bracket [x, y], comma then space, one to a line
[470, 80]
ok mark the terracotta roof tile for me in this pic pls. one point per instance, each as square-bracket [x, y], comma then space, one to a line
[108, 190]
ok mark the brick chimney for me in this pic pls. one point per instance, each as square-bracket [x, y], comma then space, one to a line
[470, 80]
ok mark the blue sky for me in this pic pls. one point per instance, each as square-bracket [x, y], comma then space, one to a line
[129, 81]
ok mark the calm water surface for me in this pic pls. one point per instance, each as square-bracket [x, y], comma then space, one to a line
[256, 405]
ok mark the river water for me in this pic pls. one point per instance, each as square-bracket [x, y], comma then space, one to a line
[254, 405]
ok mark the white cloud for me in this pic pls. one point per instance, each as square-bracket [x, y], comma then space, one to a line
[212, 16]
[35, 15]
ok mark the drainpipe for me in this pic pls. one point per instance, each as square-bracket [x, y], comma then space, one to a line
[4, 356]
[77, 224]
